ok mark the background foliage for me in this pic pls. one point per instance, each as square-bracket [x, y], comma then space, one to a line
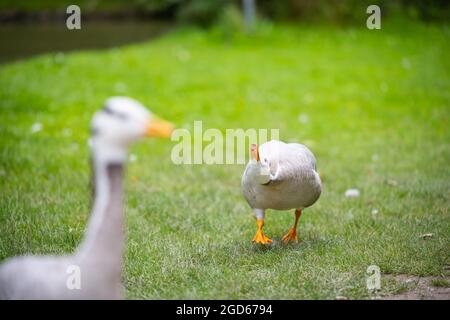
[205, 12]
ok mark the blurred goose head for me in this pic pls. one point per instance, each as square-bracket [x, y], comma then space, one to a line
[119, 123]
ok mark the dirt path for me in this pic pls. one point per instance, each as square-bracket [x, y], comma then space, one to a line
[422, 288]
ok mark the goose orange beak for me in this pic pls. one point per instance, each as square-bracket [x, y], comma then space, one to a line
[159, 128]
[254, 151]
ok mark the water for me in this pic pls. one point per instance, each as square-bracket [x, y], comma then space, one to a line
[19, 41]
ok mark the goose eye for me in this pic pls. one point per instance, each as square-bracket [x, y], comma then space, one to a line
[107, 110]
[111, 112]
[265, 160]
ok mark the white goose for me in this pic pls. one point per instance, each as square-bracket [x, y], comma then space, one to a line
[280, 176]
[98, 261]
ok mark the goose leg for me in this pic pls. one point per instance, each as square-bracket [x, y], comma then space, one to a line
[260, 237]
[292, 234]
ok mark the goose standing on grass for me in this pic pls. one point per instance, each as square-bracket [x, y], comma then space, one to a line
[280, 176]
[98, 261]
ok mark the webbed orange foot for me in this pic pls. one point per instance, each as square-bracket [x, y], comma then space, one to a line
[291, 235]
[260, 237]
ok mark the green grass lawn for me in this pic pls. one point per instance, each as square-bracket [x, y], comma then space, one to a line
[378, 104]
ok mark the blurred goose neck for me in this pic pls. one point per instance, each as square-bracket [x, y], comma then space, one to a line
[103, 246]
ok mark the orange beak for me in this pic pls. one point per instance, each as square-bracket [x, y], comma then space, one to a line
[159, 128]
[254, 151]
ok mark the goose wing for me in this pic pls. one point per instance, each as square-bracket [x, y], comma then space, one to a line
[306, 157]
